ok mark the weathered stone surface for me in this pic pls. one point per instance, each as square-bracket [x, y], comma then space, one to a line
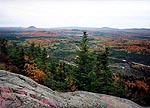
[17, 91]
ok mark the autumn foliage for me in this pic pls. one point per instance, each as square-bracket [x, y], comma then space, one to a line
[137, 46]
[40, 41]
[34, 73]
[37, 33]
[92, 75]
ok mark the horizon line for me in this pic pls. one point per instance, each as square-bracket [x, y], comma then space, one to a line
[74, 27]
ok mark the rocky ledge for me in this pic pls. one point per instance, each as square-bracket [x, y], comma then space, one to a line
[18, 91]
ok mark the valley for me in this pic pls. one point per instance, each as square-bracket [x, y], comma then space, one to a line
[132, 45]
[129, 50]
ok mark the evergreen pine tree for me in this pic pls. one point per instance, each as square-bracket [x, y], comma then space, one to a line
[93, 72]
[104, 81]
[3, 50]
[17, 56]
[42, 59]
[84, 64]
[31, 51]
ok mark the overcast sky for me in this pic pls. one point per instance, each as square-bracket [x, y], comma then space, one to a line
[81, 13]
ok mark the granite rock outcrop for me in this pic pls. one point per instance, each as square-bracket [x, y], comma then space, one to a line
[18, 91]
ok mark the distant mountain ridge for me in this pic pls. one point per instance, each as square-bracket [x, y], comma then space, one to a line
[87, 28]
[33, 28]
